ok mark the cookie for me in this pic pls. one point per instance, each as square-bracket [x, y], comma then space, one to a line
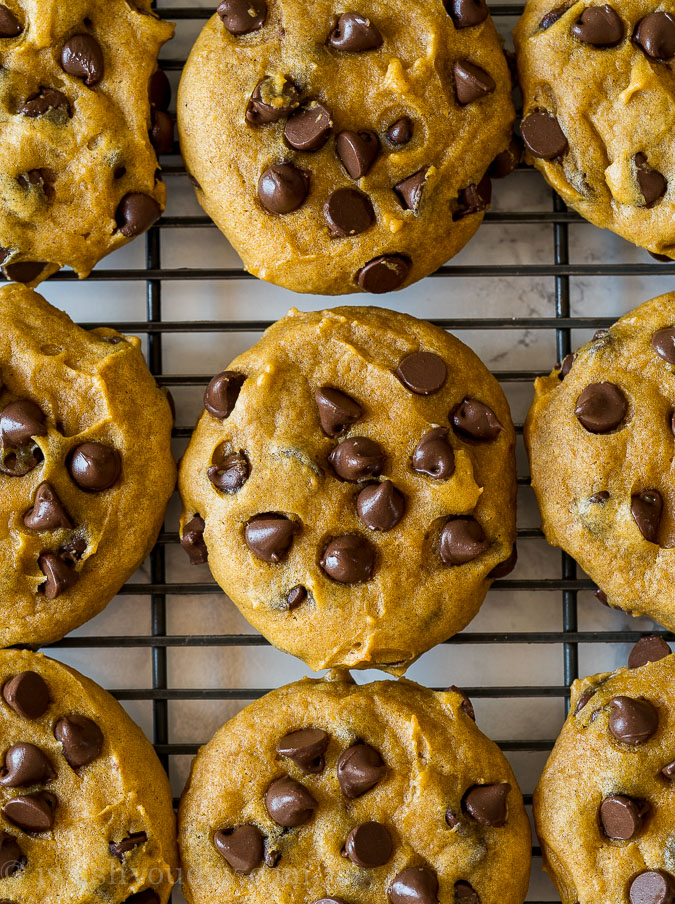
[352, 481]
[603, 806]
[85, 807]
[345, 150]
[78, 170]
[326, 791]
[600, 435]
[86, 469]
[599, 111]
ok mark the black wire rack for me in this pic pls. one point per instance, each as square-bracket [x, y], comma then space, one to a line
[568, 584]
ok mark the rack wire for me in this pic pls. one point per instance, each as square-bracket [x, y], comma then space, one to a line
[567, 585]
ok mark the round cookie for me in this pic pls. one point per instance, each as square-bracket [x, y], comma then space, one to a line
[78, 170]
[600, 440]
[603, 806]
[333, 792]
[86, 469]
[353, 480]
[345, 151]
[85, 807]
[599, 111]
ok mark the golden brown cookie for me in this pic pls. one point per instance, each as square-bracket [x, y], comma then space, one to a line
[78, 170]
[86, 469]
[345, 149]
[85, 807]
[599, 111]
[353, 479]
[325, 791]
[604, 804]
[600, 435]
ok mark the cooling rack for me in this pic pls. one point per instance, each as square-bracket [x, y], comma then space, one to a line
[544, 622]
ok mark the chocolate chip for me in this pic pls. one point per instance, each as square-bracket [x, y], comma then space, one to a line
[272, 99]
[241, 17]
[663, 343]
[380, 506]
[25, 764]
[652, 887]
[118, 849]
[10, 27]
[20, 422]
[466, 893]
[506, 162]
[599, 498]
[283, 188]
[662, 258]
[136, 213]
[192, 541]
[348, 212]
[33, 813]
[348, 559]
[354, 33]
[11, 856]
[410, 190]
[289, 803]
[357, 151]
[467, 705]
[632, 721]
[601, 407]
[27, 694]
[161, 132]
[359, 769]
[487, 803]
[305, 748]
[584, 698]
[566, 366]
[369, 845]
[471, 82]
[655, 34]
[230, 473]
[24, 271]
[296, 596]
[357, 458]
[400, 132]
[144, 897]
[653, 184]
[669, 771]
[222, 393]
[646, 509]
[451, 819]
[434, 455]
[422, 372]
[473, 198]
[621, 817]
[466, 13]
[337, 410]
[506, 567]
[242, 848]
[474, 420]
[81, 739]
[384, 274]
[415, 885]
[95, 467]
[553, 15]
[462, 540]
[46, 100]
[60, 576]
[47, 512]
[599, 26]
[650, 648]
[159, 90]
[309, 127]
[82, 57]
[543, 136]
[601, 596]
[270, 536]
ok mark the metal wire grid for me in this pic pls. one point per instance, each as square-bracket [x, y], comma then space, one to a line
[568, 585]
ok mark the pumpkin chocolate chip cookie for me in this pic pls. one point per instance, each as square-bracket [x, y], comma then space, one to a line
[85, 807]
[81, 106]
[599, 111]
[326, 791]
[352, 481]
[600, 435]
[86, 469]
[345, 151]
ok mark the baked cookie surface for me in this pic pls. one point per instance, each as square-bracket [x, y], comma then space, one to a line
[355, 474]
[77, 164]
[598, 85]
[601, 443]
[86, 813]
[603, 806]
[328, 791]
[86, 469]
[345, 150]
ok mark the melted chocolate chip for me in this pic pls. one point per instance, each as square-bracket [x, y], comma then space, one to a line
[599, 26]
[646, 509]
[507, 162]
[27, 694]
[369, 845]
[272, 100]
[357, 458]
[136, 213]
[601, 407]
[289, 803]
[566, 366]
[47, 512]
[60, 575]
[296, 596]
[384, 274]
[471, 82]
[584, 698]
[20, 422]
[462, 540]
[553, 15]
[543, 136]
[359, 769]
[348, 212]
[599, 498]
[506, 567]
[162, 132]
[652, 887]
[192, 540]
[400, 132]
[10, 27]
[82, 57]
[222, 393]
[357, 151]
[474, 420]
[241, 17]
[650, 648]
[33, 813]
[663, 343]
[466, 13]
[655, 34]
[309, 127]
[465, 893]
[25, 764]
[45, 101]
[242, 848]
[415, 885]
[24, 271]
[354, 33]
[473, 198]
[230, 473]
[81, 739]
[422, 372]
[270, 536]
[337, 410]
[632, 721]
[467, 705]
[305, 748]
[95, 467]
[119, 849]
[669, 771]
[11, 856]
[653, 184]
[348, 559]
[434, 455]
[159, 90]
[410, 190]
[487, 803]
[283, 188]
[380, 506]
[451, 819]
[621, 817]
